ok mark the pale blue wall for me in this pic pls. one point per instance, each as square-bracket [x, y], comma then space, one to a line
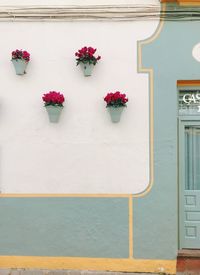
[87, 227]
[156, 214]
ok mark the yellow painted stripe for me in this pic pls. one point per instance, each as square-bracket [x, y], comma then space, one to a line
[151, 96]
[65, 195]
[189, 2]
[130, 227]
[126, 265]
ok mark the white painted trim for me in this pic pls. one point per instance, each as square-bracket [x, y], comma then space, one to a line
[86, 12]
[116, 12]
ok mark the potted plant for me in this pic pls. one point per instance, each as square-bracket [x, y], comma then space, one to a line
[87, 60]
[20, 61]
[116, 102]
[53, 102]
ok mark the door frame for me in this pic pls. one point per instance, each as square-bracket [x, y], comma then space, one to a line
[182, 122]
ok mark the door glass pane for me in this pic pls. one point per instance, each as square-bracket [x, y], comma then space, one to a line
[192, 158]
[189, 102]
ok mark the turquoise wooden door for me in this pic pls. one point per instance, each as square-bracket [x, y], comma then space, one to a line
[189, 184]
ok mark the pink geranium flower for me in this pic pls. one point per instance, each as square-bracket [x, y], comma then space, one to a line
[115, 99]
[20, 54]
[86, 55]
[53, 98]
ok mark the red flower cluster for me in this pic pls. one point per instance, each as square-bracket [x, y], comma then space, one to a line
[53, 98]
[115, 99]
[86, 55]
[20, 54]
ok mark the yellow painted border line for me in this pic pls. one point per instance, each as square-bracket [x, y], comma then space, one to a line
[127, 265]
[150, 71]
[189, 3]
[130, 227]
[20, 195]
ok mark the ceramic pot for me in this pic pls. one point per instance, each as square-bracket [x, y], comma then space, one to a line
[20, 66]
[115, 113]
[54, 112]
[87, 68]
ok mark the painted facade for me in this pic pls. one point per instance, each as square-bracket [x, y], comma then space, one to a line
[86, 193]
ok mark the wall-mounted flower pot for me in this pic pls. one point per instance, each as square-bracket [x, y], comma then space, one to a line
[87, 68]
[54, 113]
[20, 66]
[115, 113]
[20, 59]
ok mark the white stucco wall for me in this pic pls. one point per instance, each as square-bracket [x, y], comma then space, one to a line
[84, 152]
[77, 2]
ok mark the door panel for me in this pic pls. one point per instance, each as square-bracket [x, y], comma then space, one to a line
[192, 158]
[189, 177]
[191, 219]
